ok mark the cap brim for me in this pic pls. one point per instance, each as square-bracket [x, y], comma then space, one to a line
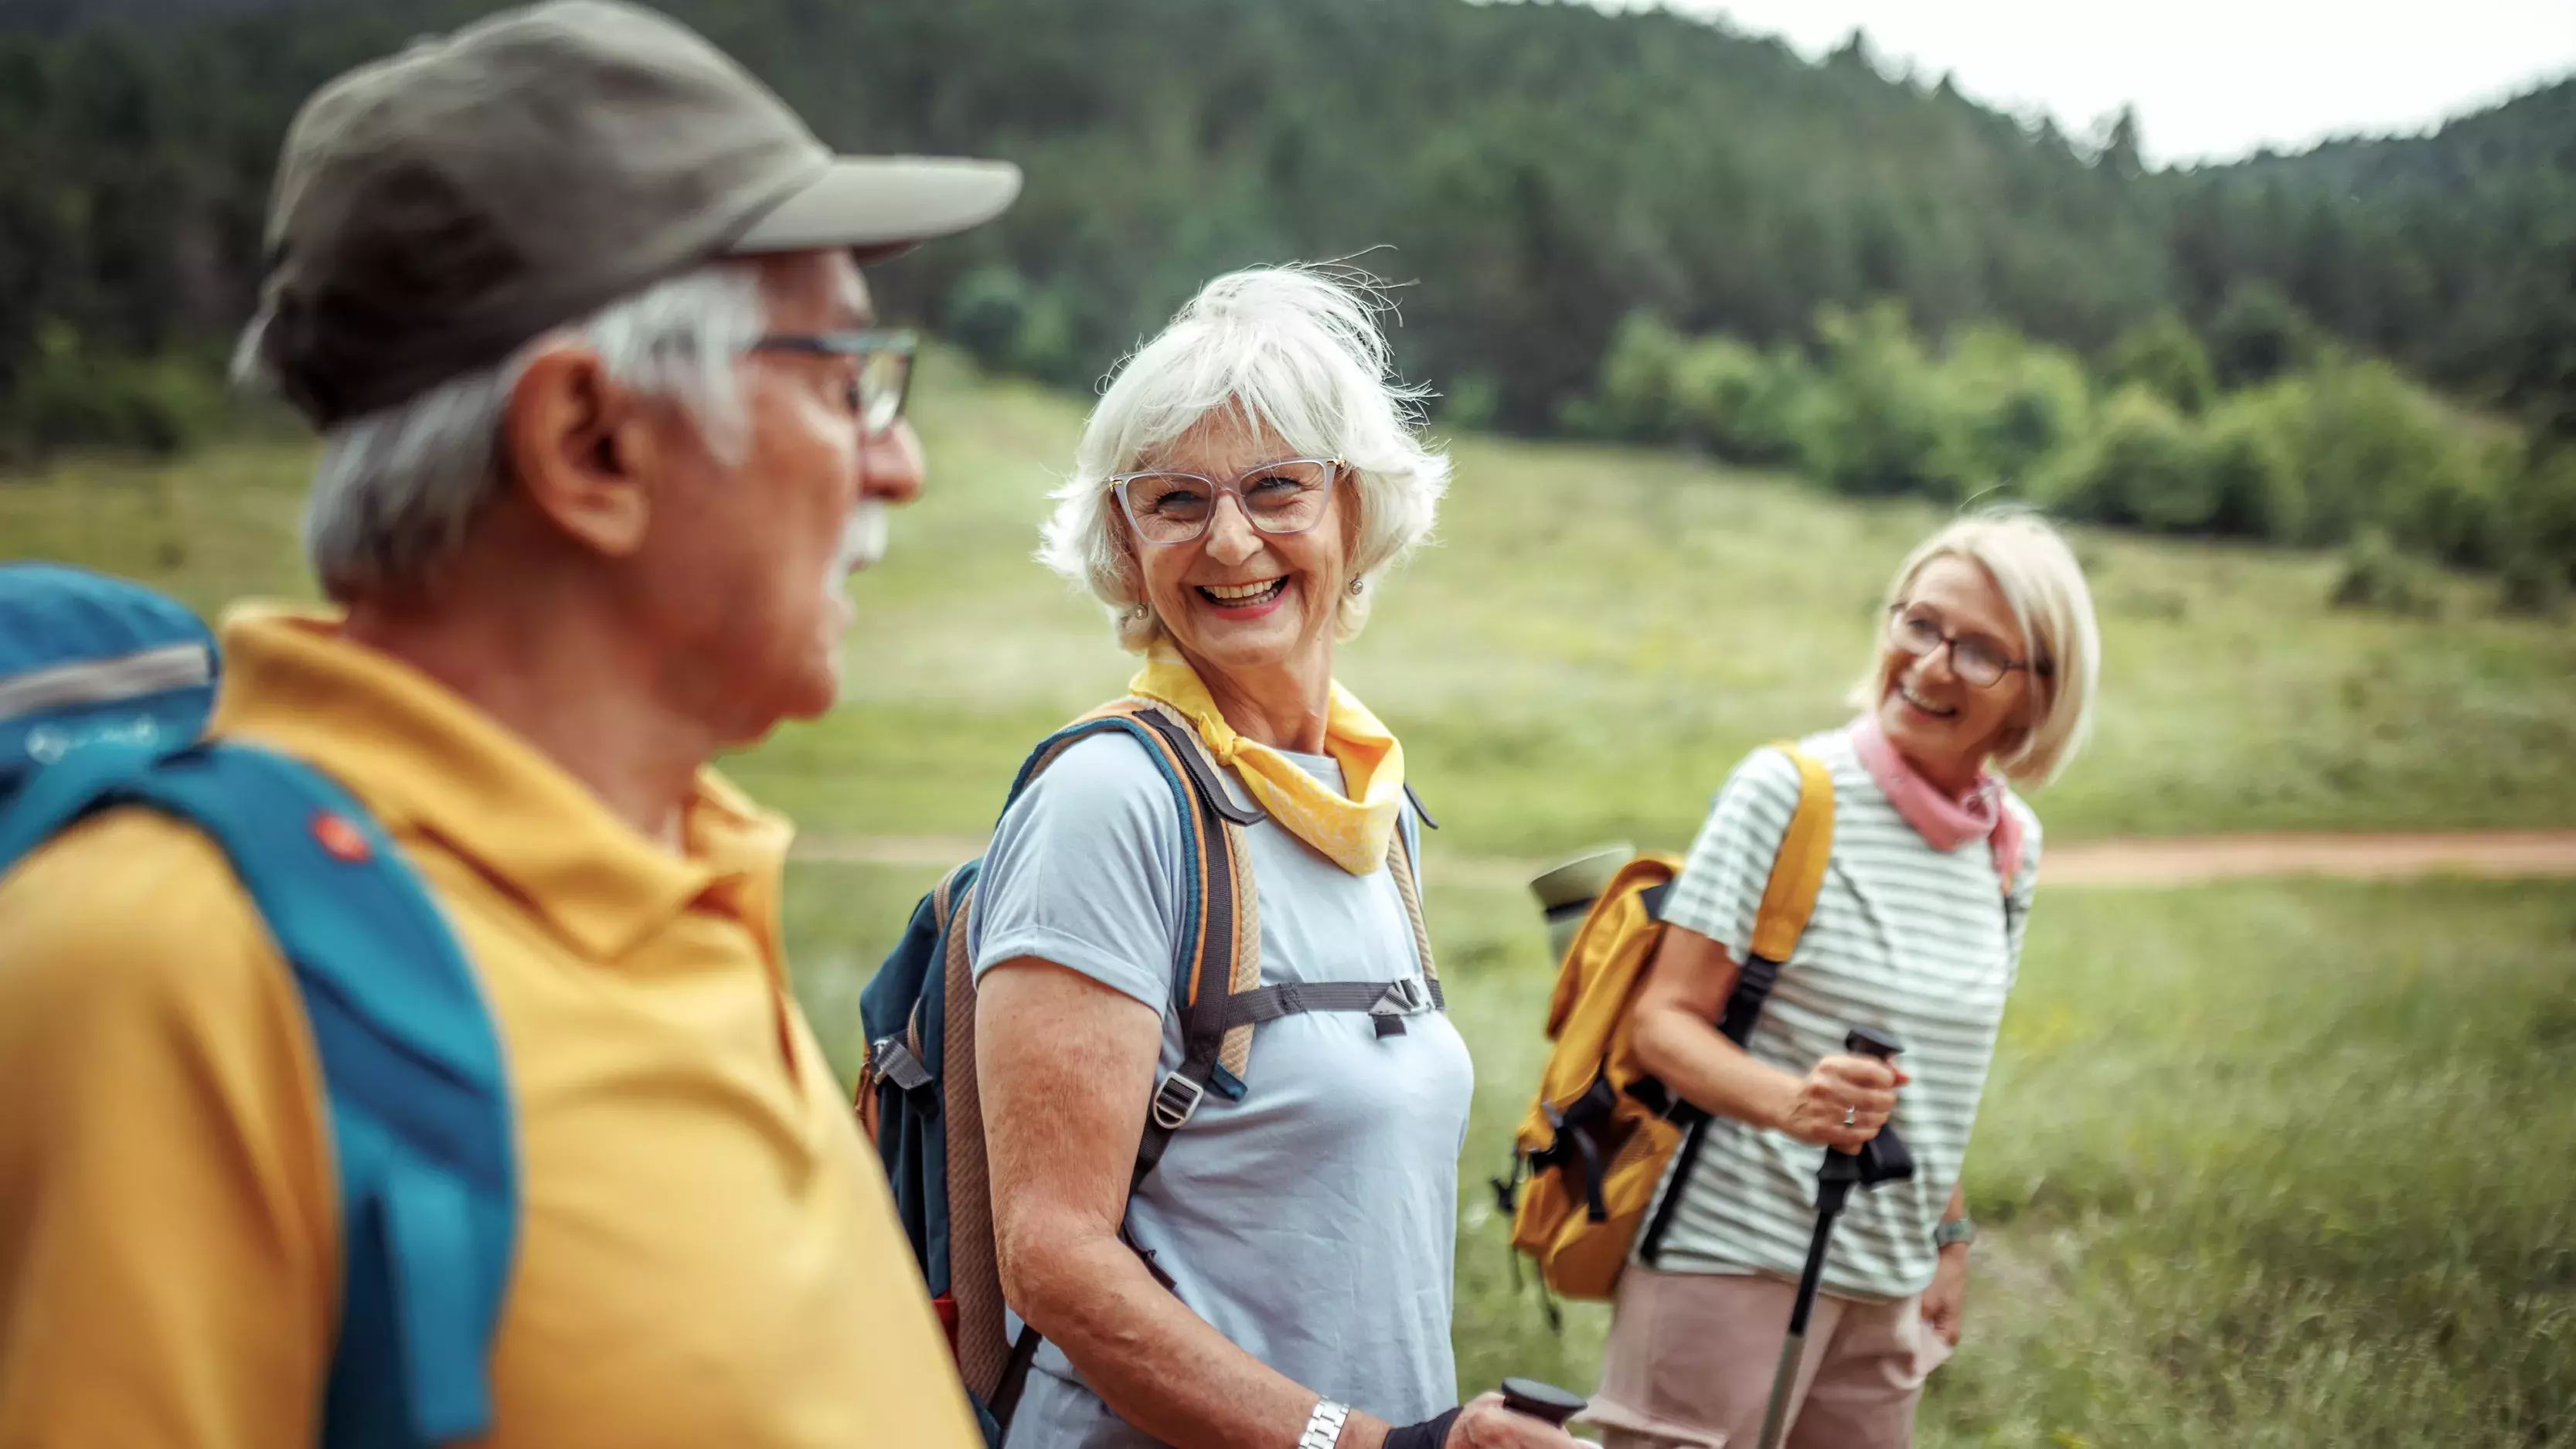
[882, 204]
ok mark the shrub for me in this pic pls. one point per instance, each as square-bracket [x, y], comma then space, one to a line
[2534, 587]
[1888, 425]
[1714, 380]
[2258, 335]
[2372, 448]
[69, 396]
[2164, 357]
[2141, 468]
[2376, 576]
[1634, 399]
[1471, 403]
[2537, 514]
[986, 311]
[2253, 477]
[1742, 405]
[2023, 404]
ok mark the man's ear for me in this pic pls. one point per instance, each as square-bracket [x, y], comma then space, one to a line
[582, 449]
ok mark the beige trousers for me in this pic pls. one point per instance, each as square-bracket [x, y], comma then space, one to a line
[1692, 1355]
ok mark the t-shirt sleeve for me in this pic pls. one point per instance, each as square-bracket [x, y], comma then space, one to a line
[167, 1249]
[1084, 872]
[1719, 892]
[2025, 887]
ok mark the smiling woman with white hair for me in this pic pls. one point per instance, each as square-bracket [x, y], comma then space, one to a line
[1282, 1275]
[1983, 672]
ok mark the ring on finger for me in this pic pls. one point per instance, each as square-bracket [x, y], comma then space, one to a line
[1851, 1116]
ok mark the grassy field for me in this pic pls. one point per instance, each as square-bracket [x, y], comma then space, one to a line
[1597, 634]
[2265, 1166]
[2262, 1165]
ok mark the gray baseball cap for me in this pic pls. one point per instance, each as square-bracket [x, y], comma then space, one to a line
[436, 210]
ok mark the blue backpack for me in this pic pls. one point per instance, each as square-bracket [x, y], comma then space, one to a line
[104, 690]
[918, 1095]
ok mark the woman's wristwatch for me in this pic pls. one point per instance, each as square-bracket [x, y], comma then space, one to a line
[1953, 1230]
[1324, 1426]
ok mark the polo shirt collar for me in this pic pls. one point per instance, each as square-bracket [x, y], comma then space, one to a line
[427, 761]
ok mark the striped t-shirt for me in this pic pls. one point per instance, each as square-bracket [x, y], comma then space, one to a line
[1905, 938]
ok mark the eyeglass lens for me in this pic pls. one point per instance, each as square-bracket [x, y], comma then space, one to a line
[1978, 659]
[882, 382]
[1286, 497]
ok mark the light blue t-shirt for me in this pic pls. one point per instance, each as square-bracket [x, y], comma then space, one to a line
[1314, 1221]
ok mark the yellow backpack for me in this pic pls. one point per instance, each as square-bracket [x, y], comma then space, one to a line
[1601, 1131]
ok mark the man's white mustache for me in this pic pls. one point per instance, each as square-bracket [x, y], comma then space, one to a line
[863, 538]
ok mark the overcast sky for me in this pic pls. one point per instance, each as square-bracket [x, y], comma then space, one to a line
[2211, 79]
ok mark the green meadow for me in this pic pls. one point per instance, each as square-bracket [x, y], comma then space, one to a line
[2264, 1164]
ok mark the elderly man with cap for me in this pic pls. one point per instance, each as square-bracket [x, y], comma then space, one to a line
[605, 420]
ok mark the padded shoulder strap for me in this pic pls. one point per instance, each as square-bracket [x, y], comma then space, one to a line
[420, 1110]
[1788, 898]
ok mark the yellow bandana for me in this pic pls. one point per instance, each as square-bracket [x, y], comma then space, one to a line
[1354, 834]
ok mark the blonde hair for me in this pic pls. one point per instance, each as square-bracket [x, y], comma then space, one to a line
[1295, 349]
[2043, 585]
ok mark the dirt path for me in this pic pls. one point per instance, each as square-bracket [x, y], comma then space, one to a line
[2533, 854]
[2494, 853]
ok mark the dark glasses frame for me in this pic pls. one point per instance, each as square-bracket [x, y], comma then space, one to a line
[1896, 617]
[881, 407]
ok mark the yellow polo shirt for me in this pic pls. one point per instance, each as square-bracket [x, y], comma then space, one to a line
[707, 1255]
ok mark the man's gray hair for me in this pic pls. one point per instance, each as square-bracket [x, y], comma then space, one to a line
[397, 489]
[1295, 349]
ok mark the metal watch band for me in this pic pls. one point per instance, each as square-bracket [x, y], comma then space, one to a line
[1324, 1426]
[1953, 1230]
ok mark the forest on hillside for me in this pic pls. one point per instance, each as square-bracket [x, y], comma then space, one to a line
[1543, 179]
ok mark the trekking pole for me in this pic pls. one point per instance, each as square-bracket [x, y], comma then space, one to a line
[1883, 1158]
[1542, 1400]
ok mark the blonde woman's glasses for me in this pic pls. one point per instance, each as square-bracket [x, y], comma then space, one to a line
[1979, 659]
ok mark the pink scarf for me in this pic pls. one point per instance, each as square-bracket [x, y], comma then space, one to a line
[1944, 822]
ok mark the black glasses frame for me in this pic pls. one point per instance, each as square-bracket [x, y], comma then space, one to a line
[1896, 614]
[865, 344]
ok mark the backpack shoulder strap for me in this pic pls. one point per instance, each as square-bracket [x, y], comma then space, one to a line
[1788, 901]
[1788, 898]
[1220, 948]
[419, 1106]
[1401, 864]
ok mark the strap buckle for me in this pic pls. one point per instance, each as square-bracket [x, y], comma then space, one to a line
[1175, 1100]
[1402, 998]
[890, 1060]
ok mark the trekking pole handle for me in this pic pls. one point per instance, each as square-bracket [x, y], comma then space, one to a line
[1869, 1041]
[1542, 1400]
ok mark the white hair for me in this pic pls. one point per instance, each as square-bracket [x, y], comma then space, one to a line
[2044, 587]
[397, 488]
[1294, 349]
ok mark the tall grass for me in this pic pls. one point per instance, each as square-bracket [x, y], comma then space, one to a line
[2267, 1164]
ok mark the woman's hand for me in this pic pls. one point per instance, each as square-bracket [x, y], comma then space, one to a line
[1946, 1301]
[1486, 1424]
[1843, 1088]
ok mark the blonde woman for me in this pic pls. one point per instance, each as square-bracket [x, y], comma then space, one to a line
[1282, 1274]
[1983, 673]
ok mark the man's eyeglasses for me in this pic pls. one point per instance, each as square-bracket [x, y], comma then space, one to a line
[1288, 496]
[1977, 658]
[884, 375]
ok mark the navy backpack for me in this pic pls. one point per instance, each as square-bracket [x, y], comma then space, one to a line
[104, 691]
[918, 1097]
